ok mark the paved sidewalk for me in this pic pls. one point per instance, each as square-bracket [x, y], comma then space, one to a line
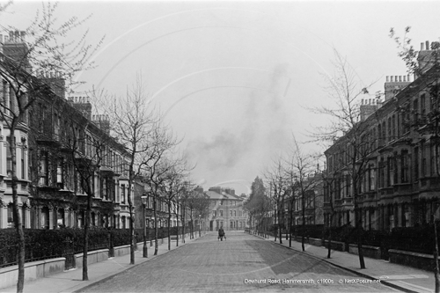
[71, 280]
[400, 277]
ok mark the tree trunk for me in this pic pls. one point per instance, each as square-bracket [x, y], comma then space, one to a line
[264, 226]
[436, 268]
[86, 219]
[329, 248]
[279, 227]
[177, 217]
[290, 224]
[130, 206]
[16, 214]
[144, 232]
[169, 225]
[132, 259]
[250, 223]
[303, 204]
[359, 231]
[183, 228]
[191, 227]
[156, 231]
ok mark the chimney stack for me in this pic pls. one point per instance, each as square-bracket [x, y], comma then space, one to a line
[393, 84]
[16, 49]
[83, 105]
[55, 81]
[103, 122]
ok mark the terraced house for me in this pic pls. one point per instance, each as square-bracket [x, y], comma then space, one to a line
[62, 151]
[226, 209]
[401, 180]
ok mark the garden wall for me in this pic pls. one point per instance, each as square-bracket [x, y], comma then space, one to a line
[412, 259]
[32, 271]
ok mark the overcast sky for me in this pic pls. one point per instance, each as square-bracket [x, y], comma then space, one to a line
[234, 79]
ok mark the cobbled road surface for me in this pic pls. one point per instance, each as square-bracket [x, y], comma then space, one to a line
[242, 263]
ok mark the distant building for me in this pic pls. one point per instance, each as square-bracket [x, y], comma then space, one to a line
[144, 208]
[226, 209]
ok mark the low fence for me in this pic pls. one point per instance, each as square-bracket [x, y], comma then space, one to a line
[48, 244]
[48, 267]
[402, 245]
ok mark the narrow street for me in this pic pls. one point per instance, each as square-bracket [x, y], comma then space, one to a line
[242, 263]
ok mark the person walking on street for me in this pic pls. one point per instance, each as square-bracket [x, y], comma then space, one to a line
[221, 234]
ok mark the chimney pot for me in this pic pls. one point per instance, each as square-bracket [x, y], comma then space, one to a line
[387, 78]
[422, 46]
[427, 45]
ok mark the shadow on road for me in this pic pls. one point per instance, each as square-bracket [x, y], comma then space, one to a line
[295, 263]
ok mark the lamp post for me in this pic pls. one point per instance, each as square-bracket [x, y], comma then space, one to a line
[286, 222]
[152, 223]
[144, 199]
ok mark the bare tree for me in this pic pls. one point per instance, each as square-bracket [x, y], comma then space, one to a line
[156, 164]
[201, 207]
[291, 200]
[179, 209]
[87, 155]
[278, 190]
[302, 175]
[131, 123]
[351, 139]
[4, 6]
[198, 206]
[184, 200]
[37, 51]
[171, 188]
[329, 182]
